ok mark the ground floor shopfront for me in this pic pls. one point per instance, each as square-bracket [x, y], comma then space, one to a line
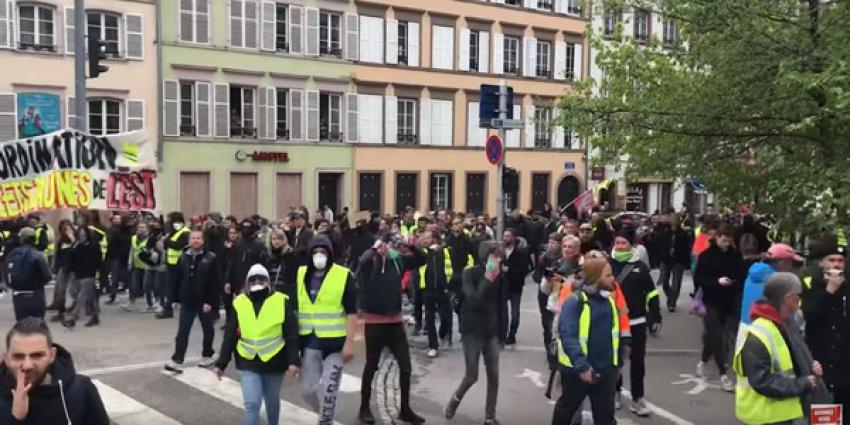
[388, 179]
[254, 178]
[648, 195]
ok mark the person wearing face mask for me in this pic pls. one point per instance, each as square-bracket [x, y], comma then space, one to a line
[380, 272]
[249, 250]
[481, 290]
[326, 297]
[174, 243]
[263, 334]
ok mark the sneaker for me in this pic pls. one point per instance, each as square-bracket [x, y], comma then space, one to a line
[639, 408]
[150, 309]
[158, 309]
[701, 369]
[56, 318]
[432, 353]
[409, 417]
[207, 361]
[491, 421]
[128, 307]
[366, 416]
[174, 366]
[164, 315]
[446, 342]
[671, 309]
[726, 384]
[511, 340]
[451, 408]
[618, 398]
[93, 321]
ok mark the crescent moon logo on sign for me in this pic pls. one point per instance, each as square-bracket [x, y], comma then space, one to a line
[241, 155]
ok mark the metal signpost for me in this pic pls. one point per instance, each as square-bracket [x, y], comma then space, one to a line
[80, 103]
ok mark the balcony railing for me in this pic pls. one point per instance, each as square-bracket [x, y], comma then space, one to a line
[187, 130]
[282, 47]
[326, 50]
[37, 47]
[473, 64]
[511, 69]
[407, 138]
[544, 72]
[543, 142]
[332, 136]
[245, 132]
[282, 133]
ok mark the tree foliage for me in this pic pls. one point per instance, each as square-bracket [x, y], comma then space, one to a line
[753, 98]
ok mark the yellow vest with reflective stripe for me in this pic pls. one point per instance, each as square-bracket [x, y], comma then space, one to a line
[584, 331]
[260, 334]
[173, 254]
[751, 407]
[406, 230]
[447, 266]
[50, 248]
[326, 316]
[104, 242]
[136, 247]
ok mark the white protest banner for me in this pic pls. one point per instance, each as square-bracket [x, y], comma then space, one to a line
[71, 169]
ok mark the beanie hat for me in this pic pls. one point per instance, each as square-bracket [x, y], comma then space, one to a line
[257, 270]
[627, 233]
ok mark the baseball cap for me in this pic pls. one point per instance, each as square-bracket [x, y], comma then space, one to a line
[26, 232]
[257, 270]
[781, 251]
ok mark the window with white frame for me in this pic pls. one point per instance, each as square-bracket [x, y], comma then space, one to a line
[546, 5]
[441, 191]
[611, 18]
[403, 37]
[330, 116]
[282, 112]
[104, 116]
[35, 27]
[642, 18]
[570, 55]
[242, 112]
[281, 24]
[194, 21]
[574, 7]
[330, 25]
[243, 24]
[511, 56]
[543, 127]
[544, 59]
[474, 42]
[407, 121]
[106, 26]
[671, 31]
[568, 138]
[513, 2]
[187, 110]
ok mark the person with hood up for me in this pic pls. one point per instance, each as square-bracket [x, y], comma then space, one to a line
[281, 263]
[38, 383]
[776, 375]
[644, 312]
[326, 297]
[263, 334]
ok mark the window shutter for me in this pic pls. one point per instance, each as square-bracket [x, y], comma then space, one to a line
[170, 108]
[530, 4]
[8, 116]
[530, 54]
[202, 109]
[296, 115]
[269, 26]
[392, 41]
[251, 24]
[371, 121]
[425, 122]
[6, 24]
[312, 115]
[391, 118]
[134, 37]
[560, 6]
[236, 19]
[513, 135]
[656, 26]
[442, 49]
[69, 30]
[296, 16]
[463, 49]
[498, 53]
[352, 117]
[498, 1]
[135, 114]
[441, 122]
[371, 39]
[557, 128]
[202, 21]
[476, 136]
[222, 110]
[413, 44]
[578, 61]
[352, 40]
[312, 48]
[262, 117]
[271, 112]
[529, 126]
[560, 60]
[70, 113]
[483, 51]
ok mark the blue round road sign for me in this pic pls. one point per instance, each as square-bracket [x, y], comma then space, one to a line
[494, 149]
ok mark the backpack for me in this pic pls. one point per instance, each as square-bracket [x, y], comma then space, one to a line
[20, 268]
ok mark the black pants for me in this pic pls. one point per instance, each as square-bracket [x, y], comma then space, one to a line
[418, 295]
[546, 320]
[574, 391]
[720, 328]
[637, 362]
[29, 304]
[187, 319]
[474, 347]
[170, 282]
[514, 299]
[673, 272]
[437, 303]
[394, 337]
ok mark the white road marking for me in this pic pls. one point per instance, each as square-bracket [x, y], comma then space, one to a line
[660, 412]
[700, 384]
[124, 410]
[534, 376]
[132, 367]
[230, 391]
[350, 383]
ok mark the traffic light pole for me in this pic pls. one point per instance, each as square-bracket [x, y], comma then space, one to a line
[500, 196]
[80, 103]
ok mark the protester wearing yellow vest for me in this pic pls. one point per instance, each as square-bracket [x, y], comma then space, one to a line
[590, 346]
[327, 321]
[773, 366]
[263, 333]
[137, 267]
[175, 242]
[434, 278]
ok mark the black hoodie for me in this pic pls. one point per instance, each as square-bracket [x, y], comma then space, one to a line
[46, 401]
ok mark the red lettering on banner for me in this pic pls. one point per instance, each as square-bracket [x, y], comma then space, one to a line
[132, 191]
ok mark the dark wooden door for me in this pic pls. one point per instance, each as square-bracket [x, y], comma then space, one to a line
[475, 187]
[370, 192]
[539, 191]
[405, 191]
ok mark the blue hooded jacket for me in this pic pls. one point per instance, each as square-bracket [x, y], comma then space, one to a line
[754, 288]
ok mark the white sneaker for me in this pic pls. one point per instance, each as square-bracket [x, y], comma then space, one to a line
[701, 369]
[432, 353]
[158, 309]
[618, 398]
[174, 366]
[726, 384]
[639, 408]
[207, 361]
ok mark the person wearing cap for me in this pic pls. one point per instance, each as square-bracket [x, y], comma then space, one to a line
[175, 243]
[774, 369]
[779, 258]
[826, 310]
[299, 235]
[263, 334]
[27, 272]
[644, 311]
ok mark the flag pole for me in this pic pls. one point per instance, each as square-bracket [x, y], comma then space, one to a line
[564, 208]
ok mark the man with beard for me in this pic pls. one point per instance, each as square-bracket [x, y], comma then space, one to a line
[249, 250]
[358, 240]
[38, 384]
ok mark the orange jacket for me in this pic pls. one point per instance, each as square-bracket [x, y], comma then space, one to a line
[619, 300]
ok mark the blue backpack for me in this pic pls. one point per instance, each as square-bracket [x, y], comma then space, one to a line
[20, 268]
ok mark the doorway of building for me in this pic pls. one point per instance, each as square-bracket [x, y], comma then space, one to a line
[329, 184]
[568, 190]
[405, 191]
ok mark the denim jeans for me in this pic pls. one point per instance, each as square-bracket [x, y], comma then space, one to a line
[257, 387]
[475, 347]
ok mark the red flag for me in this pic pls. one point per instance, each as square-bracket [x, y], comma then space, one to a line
[584, 203]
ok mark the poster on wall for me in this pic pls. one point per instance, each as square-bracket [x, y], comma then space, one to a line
[38, 114]
[69, 169]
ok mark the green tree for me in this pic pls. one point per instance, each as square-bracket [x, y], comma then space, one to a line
[753, 97]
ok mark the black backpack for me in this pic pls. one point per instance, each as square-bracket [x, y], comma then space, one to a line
[20, 268]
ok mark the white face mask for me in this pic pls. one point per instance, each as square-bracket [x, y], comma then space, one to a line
[320, 261]
[178, 226]
[257, 287]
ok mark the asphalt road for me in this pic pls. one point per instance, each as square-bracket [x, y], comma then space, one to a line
[125, 355]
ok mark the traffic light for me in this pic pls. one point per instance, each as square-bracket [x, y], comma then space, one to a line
[510, 180]
[97, 52]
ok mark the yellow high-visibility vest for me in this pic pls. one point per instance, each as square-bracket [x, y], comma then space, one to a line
[260, 334]
[584, 331]
[104, 242]
[447, 266]
[137, 245]
[751, 407]
[173, 254]
[326, 316]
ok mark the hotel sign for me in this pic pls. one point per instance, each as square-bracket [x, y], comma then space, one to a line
[262, 156]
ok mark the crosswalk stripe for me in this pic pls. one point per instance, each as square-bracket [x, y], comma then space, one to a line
[230, 391]
[124, 410]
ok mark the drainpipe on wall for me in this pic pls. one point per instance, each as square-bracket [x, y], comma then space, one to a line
[159, 138]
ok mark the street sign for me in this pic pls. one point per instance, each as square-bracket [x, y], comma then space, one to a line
[488, 103]
[569, 166]
[825, 414]
[494, 149]
[507, 124]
